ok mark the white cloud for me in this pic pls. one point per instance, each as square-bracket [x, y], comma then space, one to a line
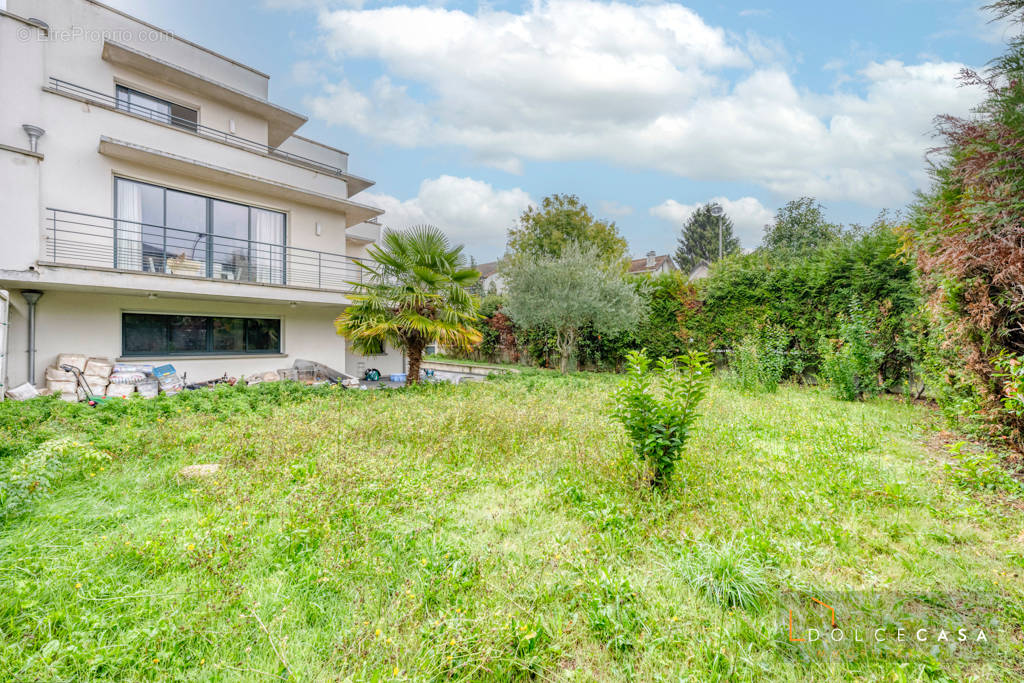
[650, 86]
[748, 214]
[470, 211]
[613, 208]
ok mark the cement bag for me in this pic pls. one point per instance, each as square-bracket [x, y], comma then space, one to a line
[131, 378]
[97, 385]
[58, 375]
[149, 388]
[120, 390]
[133, 367]
[61, 387]
[98, 367]
[77, 360]
[72, 397]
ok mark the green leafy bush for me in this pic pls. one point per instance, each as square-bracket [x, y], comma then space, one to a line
[980, 470]
[659, 408]
[35, 473]
[850, 364]
[758, 362]
[808, 294]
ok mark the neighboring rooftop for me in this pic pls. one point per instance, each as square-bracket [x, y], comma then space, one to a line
[650, 263]
[487, 269]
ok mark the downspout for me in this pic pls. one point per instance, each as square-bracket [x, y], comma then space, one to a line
[31, 296]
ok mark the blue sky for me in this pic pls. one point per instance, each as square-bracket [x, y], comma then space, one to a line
[464, 113]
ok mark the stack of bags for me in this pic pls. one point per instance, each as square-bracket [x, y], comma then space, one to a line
[95, 372]
[127, 377]
[97, 375]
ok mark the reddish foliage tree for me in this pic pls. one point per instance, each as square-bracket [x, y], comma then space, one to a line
[969, 232]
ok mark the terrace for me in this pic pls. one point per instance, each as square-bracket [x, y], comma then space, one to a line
[86, 240]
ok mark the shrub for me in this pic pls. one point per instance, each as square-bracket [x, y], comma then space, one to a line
[659, 409]
[980, 470]
[850, 364]
[758, 362]
[35, 473]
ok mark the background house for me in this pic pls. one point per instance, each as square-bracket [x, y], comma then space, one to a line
[652, 264]
[490, 279]
[160, 208]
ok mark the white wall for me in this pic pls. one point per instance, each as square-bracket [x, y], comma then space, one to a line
[70, 322]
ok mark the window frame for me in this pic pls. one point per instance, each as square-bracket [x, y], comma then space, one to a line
[172, 119]
[211, 236]
[209, 320]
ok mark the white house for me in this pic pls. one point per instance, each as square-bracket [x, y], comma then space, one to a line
[652, 264]
[491, 280]
[156, 206]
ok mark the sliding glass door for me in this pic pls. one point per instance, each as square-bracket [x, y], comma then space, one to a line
[166, 231]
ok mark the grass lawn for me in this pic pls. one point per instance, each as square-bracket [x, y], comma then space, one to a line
[497, 531]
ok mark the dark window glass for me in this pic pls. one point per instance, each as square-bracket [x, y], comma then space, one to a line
[188, 334]
[144, 334]
[156, 109]
[186, 234]
[228, 335]
[153, 334]
[262, 335]
[231, 241]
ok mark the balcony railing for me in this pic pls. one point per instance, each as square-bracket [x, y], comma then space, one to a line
[81, 239]
[163, 117]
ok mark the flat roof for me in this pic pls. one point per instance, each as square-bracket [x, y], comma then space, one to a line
[177, 37]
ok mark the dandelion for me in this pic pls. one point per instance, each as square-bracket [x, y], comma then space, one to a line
[191, 546]
[202, 661]
[378, 632]
[424, 562]
[396, 670]
[155, 660]
[78, 585]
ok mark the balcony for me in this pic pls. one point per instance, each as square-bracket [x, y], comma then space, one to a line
[111, 102]
[88, 241]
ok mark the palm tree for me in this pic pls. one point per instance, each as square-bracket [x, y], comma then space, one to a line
[413, 294]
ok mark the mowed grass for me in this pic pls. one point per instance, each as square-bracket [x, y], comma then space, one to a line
[498, 531]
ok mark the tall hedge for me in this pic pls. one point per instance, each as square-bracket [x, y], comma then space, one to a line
[810, 295]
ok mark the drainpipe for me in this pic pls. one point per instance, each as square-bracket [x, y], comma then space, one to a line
[31, 296]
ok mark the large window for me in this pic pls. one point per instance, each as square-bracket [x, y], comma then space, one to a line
[166, 231]
[158, 334]
[154, 108]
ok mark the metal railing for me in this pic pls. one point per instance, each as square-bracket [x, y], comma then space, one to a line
[81, 239]
[187, 124]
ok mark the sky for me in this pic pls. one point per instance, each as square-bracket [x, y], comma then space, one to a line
[465, 113]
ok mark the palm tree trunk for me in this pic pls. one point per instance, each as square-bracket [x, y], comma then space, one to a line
[415, 358]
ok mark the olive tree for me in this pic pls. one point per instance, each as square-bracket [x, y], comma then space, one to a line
[568, 292]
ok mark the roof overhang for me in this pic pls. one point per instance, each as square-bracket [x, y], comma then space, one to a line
[355, 212]
[282, 123]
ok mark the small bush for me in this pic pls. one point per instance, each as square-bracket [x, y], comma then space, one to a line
[850, 364]
[759, 361]
[658, 409]
[980, 470]
[34, 474]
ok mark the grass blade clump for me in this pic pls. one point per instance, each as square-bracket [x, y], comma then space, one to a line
[728, 576]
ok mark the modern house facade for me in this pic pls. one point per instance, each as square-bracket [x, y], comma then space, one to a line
[158, 207]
